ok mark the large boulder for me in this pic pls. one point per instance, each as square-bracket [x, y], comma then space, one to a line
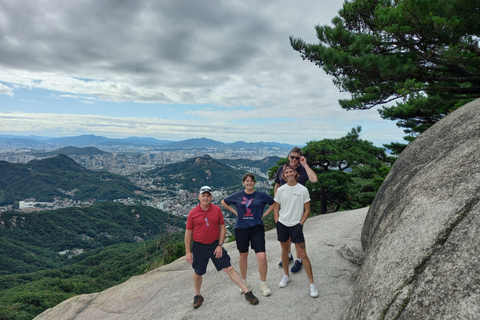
[422, 233]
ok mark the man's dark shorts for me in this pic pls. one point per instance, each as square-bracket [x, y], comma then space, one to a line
[254, 236]
[284, 233]
[203, 252]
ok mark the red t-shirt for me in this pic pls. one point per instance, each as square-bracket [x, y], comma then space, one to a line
[204, 232]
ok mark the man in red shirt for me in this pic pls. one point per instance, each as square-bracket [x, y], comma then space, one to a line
[206, 226]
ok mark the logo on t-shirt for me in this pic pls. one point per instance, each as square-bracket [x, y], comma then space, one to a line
[248, 211]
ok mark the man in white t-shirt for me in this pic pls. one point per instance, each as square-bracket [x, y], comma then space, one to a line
[292, 209]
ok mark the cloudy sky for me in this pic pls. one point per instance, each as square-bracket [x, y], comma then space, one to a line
[172, 70]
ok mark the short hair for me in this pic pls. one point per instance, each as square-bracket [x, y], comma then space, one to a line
[296, 150]
[248, 174]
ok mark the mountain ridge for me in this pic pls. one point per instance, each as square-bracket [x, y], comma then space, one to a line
[94, 140]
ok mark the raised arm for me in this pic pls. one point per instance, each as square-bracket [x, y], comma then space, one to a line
[312, 176]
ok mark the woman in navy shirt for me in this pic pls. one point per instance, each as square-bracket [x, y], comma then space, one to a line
[249, 205]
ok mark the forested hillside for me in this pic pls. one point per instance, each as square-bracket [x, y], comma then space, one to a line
[32, 241]
[59, 176]
[194, 173]
[34, 276]
[264, 165]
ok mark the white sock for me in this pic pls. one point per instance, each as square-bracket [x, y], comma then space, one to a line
[298, 259]
[290, 255]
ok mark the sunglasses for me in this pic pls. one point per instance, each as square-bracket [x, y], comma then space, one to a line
[205, 189]
[293, 157]
[206, 220]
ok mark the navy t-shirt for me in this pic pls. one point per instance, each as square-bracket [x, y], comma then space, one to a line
[250, 207]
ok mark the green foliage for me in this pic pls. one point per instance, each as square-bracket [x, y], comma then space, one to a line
[273, 172]
[31, 241]
[264, 165]
[23, 296]
[349, 170]
[422, 53]
[194, 173]
[52, 177]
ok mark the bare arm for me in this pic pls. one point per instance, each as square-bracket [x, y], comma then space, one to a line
[229, 208]
[270, 209]
[188, 241]
[306, 212]
[276, 211]
[219, 250]
[312, 176]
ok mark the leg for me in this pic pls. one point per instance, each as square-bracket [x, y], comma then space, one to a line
[262, 265]
[285, 250]
[197, 283]
[243, 264]
[289, 245]
[235, 277]
[302, 254]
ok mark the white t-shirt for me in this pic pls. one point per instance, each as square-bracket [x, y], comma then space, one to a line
[291, 200]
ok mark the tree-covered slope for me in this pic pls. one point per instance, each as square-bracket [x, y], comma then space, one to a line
[264, 165]
[31, 241]
[194, 173]
[56, 177]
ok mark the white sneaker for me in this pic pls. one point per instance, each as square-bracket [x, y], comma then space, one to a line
[313, 291]
[265, 290]
[246, 284]
[285, 280]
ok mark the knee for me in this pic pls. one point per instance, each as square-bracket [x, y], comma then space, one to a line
[228, 269]
[302, 255]
[261, 256]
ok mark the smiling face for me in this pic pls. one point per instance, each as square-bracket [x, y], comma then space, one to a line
[249, 184]
[205, 199]
[294, 158]
[290, 175]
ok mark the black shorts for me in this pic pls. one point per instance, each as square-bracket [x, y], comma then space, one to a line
[284, 233]
[203, 252]
[254, 237]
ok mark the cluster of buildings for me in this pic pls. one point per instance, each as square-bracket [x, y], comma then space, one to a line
[176, 202]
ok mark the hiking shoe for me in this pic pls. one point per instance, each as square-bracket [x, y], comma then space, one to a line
[313, 291]
[197, 301]
[297, 266]
[251, 298]
[285, 280]
[290, 260]
[247, 284]
[265, 290]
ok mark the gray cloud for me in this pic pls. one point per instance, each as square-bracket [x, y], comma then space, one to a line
[233, 54]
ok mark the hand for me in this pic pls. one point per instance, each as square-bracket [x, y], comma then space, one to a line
[218, 252]
[189, 258]
[303, 160]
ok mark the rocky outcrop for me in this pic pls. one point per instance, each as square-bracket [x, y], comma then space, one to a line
[422, 233]
[333, 243]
